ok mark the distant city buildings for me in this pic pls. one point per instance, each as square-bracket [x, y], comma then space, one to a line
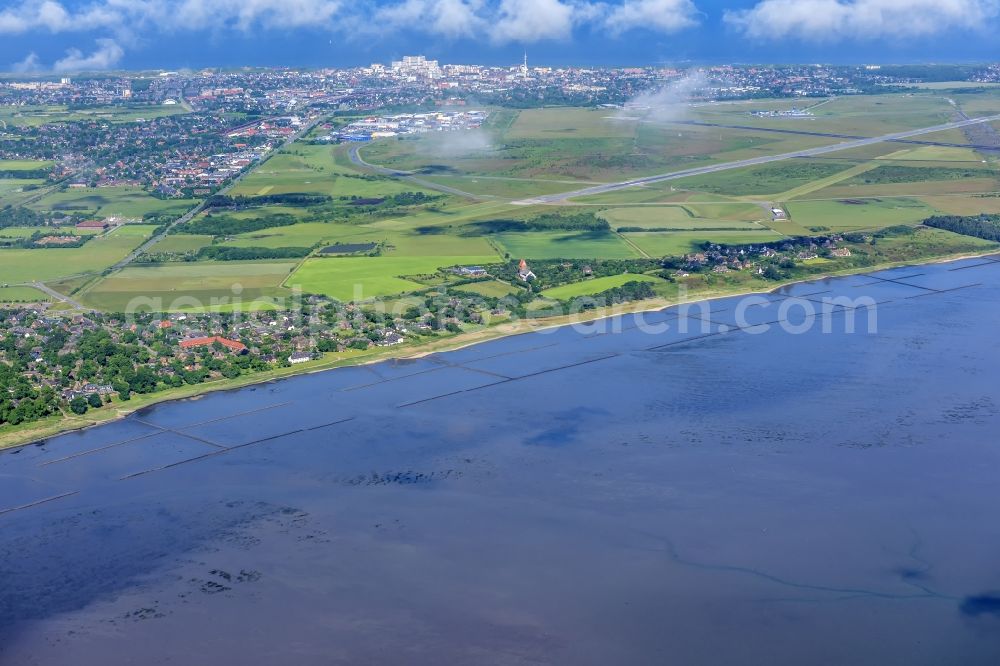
[416, 66]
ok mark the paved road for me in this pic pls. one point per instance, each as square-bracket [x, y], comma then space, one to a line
[409, 175]
[188, 216]
[754, 161]
[40, 286]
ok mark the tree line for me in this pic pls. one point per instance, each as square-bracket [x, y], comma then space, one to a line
[982, 226]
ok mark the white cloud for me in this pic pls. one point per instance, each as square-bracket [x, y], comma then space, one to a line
[107, 55]
[244, 14]
[534, 20]
[52, 16]
[660, 15]
[449, 18]
[831, 20]
[171, 15]
[30, 64]
[499, 21]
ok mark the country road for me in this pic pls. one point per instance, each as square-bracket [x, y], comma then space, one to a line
[754, 161]
[41, 286]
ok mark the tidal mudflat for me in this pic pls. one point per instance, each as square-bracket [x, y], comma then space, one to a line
[610, 494]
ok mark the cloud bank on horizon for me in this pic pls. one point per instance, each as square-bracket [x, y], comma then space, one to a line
[109, 27]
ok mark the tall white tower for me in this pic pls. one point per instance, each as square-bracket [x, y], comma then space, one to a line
[524, 67]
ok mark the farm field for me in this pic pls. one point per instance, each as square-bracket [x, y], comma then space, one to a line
[763, 180]
[661, 244]
[22, 295]
[24, 165]
[18, 266]
[847, 214]
[491, 288]
[859, 115]
[362, 278]
[564, 245]
[596, 286]
[189, 285]
[15, 187]
[304, 234]
[181, 243]
[110, 201]
[314, 170]
[722, 216]
[964, 205]
[35, 116]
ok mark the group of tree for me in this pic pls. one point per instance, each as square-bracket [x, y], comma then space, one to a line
[27, 174]
[582, 222]
[983, 226]
[226, 253]
[227, 225]
[19, 216]
[295, 199]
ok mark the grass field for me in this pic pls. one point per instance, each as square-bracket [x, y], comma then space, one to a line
[595, 286]
[17, 266]
[685, 217]
[189, 285]
[140, 230]
[35, 116]
[22, 295]
[673, 243]
[111, 201]
[859, 115]
[361, 278]
[25, 165]
[15, 187]
[315, 170]
[564, 245]
[304, 234]
[847, 214]
[181, 243]
[964, 205]
[763, 180]
[491, 288]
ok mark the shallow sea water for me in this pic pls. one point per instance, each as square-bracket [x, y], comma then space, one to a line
[599, 495]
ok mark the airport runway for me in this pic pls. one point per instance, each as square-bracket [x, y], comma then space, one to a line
[753, 161]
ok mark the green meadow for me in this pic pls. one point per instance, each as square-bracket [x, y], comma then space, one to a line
[564, 245]
[36, 116]
[119, 201]
[189, 285]
[17, 266]
[848, 214]
[596, 286]
[362, 278]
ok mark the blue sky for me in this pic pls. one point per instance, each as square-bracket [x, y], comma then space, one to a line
[71, 35]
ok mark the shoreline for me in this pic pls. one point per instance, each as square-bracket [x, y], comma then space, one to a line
[36, 433]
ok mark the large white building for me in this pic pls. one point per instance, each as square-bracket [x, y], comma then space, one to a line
[417, 66]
